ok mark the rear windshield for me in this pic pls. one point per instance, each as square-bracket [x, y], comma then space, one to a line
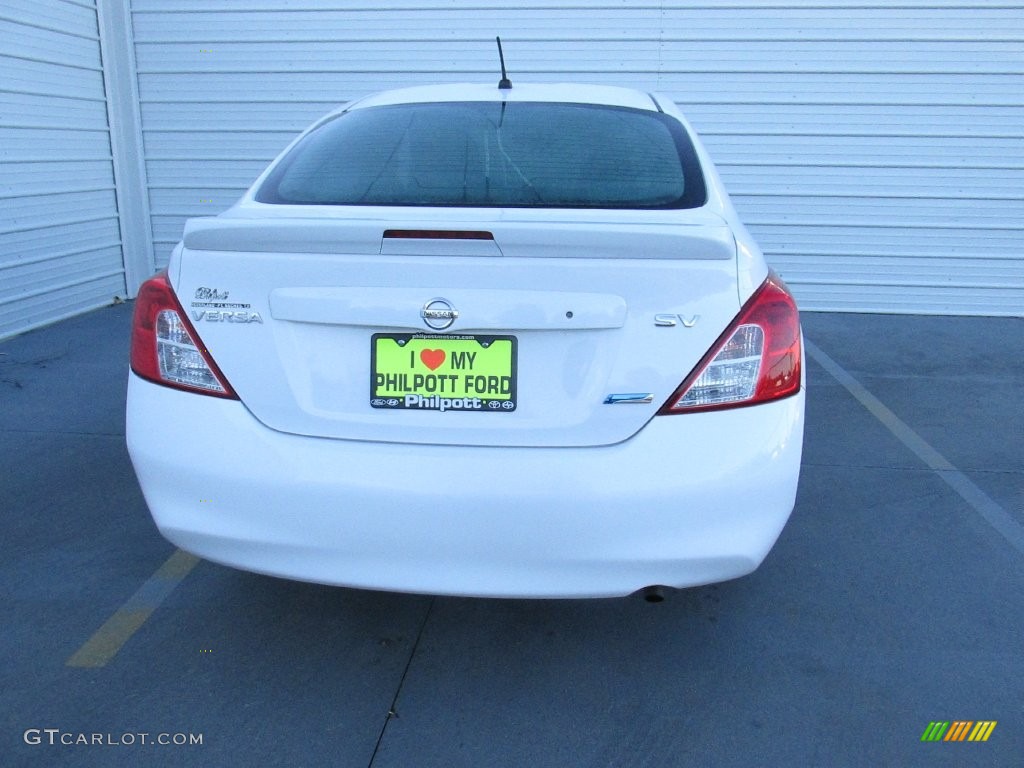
[490, 154]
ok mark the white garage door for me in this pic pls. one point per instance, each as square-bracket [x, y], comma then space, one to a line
[60, 243]
[876, 150]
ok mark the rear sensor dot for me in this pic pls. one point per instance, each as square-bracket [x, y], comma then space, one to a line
[569, 315]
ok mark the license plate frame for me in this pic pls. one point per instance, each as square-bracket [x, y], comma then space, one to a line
[444, 372]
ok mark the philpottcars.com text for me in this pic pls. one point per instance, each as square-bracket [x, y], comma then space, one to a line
[55, 737]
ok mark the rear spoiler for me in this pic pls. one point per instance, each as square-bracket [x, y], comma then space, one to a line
[707, 238]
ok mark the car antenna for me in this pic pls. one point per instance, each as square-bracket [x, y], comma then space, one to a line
[504, 84]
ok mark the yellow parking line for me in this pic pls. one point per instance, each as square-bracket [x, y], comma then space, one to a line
[118, 629]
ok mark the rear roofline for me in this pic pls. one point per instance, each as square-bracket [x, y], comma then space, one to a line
[566, 93]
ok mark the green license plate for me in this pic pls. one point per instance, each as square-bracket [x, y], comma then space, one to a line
[435, 372]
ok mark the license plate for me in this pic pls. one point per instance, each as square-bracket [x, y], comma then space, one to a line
[435, 372]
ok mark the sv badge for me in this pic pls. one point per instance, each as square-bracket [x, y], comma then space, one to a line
[671, 321]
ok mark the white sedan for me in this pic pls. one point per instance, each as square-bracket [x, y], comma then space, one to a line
[474, 341]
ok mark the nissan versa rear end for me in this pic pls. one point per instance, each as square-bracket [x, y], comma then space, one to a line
[474, 341]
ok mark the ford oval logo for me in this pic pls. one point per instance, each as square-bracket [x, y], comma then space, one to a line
[439, 314]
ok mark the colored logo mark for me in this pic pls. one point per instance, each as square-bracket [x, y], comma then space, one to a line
[959, 730]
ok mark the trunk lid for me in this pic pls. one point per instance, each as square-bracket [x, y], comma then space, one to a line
[306, 315]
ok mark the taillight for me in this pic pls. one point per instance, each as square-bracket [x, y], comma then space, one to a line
[756, 360]
[166, 348]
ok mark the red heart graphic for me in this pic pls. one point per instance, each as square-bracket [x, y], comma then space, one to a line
[433, 358]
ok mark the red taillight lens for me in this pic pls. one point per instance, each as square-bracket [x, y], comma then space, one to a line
[756, 360]
[166, 348]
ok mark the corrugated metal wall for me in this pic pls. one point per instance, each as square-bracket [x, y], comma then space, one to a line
[876, 151]
[60, 246]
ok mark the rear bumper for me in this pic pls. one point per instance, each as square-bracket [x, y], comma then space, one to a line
[689, 500]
